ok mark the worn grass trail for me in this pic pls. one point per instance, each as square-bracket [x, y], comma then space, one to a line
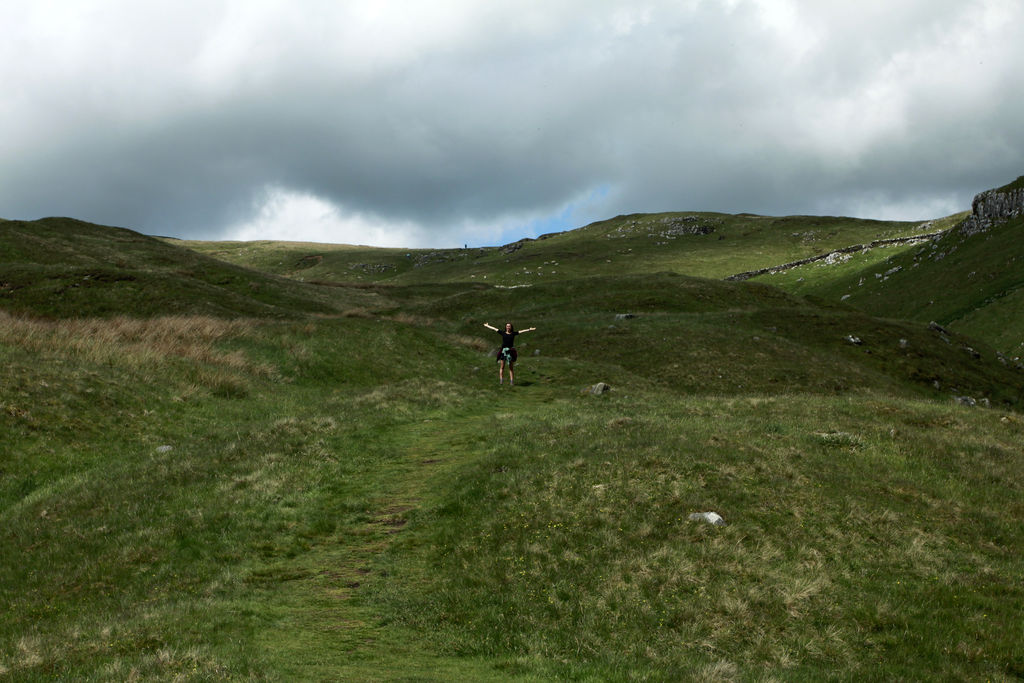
[319, 627]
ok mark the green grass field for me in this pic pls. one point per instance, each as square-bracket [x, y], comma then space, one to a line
[256, 478]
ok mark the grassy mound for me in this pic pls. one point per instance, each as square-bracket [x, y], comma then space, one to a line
[61, 267]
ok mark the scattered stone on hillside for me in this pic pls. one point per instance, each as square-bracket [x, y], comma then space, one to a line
[164, 449]
[904, 343]
[837, 256]
[712, 518]
[598, 389]
[974, 354]
[431, 258]
[514, 246]
[625, 316]
[686, 225]
[373, 268]
[536, 352]
[856, 341]
[971, 402]
[668, 227]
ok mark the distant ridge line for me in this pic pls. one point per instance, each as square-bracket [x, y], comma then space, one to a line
[845, 250]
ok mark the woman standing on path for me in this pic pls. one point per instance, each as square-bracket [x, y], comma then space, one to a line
[507, 354]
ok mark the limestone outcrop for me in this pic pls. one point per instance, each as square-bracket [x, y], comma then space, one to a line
[993, 207]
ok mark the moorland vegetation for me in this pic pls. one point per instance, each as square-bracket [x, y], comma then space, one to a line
[285, 461]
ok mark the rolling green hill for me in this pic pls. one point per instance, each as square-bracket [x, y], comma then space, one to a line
[62, 267]
[969, 281]
[212, 471]
[699, 244]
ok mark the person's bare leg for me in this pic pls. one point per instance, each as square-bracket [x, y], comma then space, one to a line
[511, 378]
[501, 371]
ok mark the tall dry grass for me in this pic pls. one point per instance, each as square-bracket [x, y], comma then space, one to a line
[134, 342]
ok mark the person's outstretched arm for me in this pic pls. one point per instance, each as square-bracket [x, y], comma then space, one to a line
[490, 327]
[528, 329]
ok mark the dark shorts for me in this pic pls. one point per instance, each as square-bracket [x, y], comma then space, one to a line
[507, 355]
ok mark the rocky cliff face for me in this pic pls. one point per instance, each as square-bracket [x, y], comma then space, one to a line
[995, 206]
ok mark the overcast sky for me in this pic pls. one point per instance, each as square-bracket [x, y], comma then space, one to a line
[442, 123]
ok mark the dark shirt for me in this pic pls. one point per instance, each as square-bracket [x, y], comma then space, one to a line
[508, 339]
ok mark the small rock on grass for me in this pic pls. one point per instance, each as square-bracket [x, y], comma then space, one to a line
[712, 518]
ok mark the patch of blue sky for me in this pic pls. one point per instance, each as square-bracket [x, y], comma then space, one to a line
[571, 215]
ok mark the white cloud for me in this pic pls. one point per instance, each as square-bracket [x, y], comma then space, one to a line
[882, 206]
[459, 121]
[279, 213]
[297, 216]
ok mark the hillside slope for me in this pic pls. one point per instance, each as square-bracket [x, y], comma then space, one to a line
[63, 267]
[700, 244]
[970, 279]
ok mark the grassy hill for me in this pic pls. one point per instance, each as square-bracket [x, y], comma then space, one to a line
[62, 267]
[304, 482]
[699, 244]
[973, 283]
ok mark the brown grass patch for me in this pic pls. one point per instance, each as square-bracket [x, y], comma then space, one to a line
[414, 320]
[475, 343]
[133, 341]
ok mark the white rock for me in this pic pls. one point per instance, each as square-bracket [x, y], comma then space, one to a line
[709, 517]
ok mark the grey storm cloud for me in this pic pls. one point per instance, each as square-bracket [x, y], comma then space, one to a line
[416, 124]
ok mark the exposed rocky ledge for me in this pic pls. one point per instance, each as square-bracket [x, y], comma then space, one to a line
[993, 207]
